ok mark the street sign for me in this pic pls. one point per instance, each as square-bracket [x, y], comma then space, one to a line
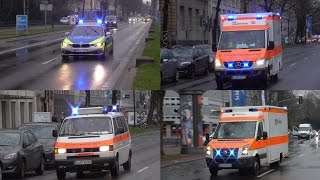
[238, 98]
[45, 7]
[42, 117]
[21, 22]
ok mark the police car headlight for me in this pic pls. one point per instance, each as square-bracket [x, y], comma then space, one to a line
[208, 151]
[98, 44]
[245, 149]
[65, 44]
[218, 63]
[61, 151]
[260, 62]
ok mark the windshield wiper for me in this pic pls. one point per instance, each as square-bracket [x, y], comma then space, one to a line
[98, 133]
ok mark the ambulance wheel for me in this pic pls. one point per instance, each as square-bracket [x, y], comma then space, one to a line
[256, 166]
[115, 168]
[219, 84]
[80, 174]
[266, 80]
[61, 174]
[127, 165]
[214, 171]
[65, 59]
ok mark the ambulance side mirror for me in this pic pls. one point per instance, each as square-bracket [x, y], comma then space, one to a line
[120, 130]
[264, 135]
[214, 48]
[207, 137]
[271, 45]
[54, 133]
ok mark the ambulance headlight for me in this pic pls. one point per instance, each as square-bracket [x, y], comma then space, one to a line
[245, 150]
[104, 148]
[60, 151]
[260, 62]
[208, 151]
[218, 63]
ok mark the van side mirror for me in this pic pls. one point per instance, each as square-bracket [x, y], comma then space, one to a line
[264, 135]
[270, 45]
[54, 133]
[207, 137]
[214, 48]
[120, 130]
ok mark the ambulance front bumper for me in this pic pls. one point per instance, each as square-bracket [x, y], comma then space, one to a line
[85, 164]
[227, 74]
[244, 162]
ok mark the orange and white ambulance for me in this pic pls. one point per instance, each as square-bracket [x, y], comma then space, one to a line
[247, 138]
[92, 140]
[249, 48]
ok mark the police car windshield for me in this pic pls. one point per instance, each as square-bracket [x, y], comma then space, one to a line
[87, 31]
[86, 125]
[242, 40]
[235, 130]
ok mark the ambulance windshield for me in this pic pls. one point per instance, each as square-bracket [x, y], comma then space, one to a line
[242, 40]
[235, 130]
[86, 126]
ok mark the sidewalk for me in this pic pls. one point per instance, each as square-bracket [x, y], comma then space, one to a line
[172, 156]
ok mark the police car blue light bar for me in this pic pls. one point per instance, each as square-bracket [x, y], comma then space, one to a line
[99, 21]
[81, 21]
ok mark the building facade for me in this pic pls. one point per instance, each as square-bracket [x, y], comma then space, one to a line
[16, 107]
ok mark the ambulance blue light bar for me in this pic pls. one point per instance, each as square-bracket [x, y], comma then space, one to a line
[259, 16]
[231, 17]
[253, 110]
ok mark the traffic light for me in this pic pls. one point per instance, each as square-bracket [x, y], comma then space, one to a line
[300, 99]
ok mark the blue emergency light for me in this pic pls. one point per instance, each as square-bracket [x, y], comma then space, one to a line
[231, 18]
[245, 65]
[278, 14]
[99, 21]
[75, 111]
[81, 21]
[259, 16]
[231, 152]
[228, 110]
[230, 65]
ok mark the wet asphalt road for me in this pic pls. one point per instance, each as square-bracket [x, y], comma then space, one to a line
[145, 163]
[303, 163]
[300, 71]
[42, 68]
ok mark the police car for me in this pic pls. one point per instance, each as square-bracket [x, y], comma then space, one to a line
[92, 139]
[87, 38]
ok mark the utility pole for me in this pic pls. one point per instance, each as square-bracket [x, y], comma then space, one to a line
[263, 100]
[87, 98]
[52, 15]
[24, 7]
[134, 108]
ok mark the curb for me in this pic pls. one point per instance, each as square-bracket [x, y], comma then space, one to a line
[144, 134]
[117, 77]
[30, 36]
[182, 162]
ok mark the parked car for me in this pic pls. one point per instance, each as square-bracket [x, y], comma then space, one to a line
[208, 50]
[20, 151]
[168, 66]
[64, 20]
[192, 61]
[295, 131]
[43, 132]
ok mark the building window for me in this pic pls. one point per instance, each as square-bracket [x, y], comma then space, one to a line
[30, 111]
[22, 112]
[190, 23]
[182, 18]
[197, 19]
[4, 114]
[13, 114]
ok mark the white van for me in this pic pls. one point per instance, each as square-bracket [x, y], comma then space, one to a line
[305, 131]
[92, 140]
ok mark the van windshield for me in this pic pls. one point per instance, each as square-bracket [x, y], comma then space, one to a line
[235, 130]
[304, 129]
[242, 40]
[86, 125]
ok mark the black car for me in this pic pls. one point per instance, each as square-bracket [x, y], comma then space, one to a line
[168, 66]
[43, 132]
[20, 151]
[208, 50]
[192, 61]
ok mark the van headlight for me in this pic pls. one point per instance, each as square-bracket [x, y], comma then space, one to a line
[245, 149]
[106, 148]
[218, 63]
[208, 150]
[260, 62]
[60, 151]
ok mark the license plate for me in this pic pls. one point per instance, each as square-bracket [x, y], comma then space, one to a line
[225, 165]
[238, 77]
[82, 162]
[80, 50]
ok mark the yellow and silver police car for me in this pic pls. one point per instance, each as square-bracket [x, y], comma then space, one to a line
[87, 38]
[92, 140]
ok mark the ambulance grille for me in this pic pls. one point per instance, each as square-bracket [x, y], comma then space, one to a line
[83, 150]
[225, 154]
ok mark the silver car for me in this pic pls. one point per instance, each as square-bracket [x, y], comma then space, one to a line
[168, 66]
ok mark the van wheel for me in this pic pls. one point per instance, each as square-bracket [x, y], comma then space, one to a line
[115, 168]
[61, 174]
[21, 171]
[256, 166]
[127, 165]
[214, 171]
[266, 79]
[40, 170]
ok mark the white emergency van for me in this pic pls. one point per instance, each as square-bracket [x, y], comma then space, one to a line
[92, 140]
[305, 131]
[247, 138]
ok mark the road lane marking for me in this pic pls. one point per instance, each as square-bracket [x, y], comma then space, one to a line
[305, 58]
[265, 173]
[143, 169]
[32, 45]
[293, 64]
[301, 155]
[49, 61]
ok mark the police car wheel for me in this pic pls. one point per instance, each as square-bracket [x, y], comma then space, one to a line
[111, 51]
[127, 165]
[105, 52]
[61, 174]
[115, 168]
[65, 58]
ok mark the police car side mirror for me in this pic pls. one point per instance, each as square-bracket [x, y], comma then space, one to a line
[54, 133]
[67, 33]
[108, 33]
[264, 135]
[120, 130]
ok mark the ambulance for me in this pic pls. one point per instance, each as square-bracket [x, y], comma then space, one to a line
[92, 139]
[249, 48]
[247, 138]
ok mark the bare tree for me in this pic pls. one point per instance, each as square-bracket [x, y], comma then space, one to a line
[215, 26]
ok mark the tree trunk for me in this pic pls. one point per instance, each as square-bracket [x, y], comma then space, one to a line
[153, 104]
[114, 97]
[215, 26]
